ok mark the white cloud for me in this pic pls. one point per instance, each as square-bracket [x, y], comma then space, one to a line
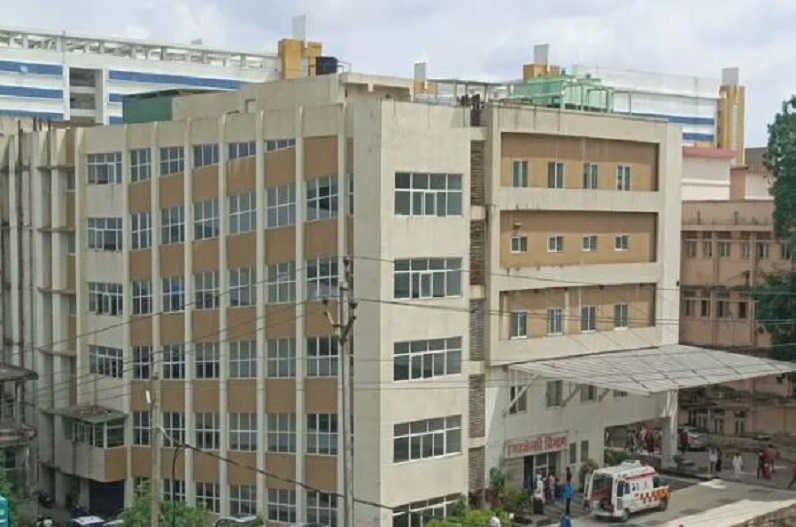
[475, 38]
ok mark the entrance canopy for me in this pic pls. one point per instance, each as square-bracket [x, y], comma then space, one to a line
[656, 370]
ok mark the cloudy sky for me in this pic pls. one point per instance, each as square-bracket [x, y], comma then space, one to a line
[474, 38]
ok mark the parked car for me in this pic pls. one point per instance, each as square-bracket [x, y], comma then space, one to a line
[87, 521]
[698, 438]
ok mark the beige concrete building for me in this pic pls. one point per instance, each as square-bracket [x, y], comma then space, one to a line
[496, 251]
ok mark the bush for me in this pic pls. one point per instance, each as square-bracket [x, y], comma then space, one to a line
[470, 518]
[516, 500]
[615, 457]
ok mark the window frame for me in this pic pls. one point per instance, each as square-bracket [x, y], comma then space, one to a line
[588, 243]
[242, 213]
[172, 160]
[280, 433]
[206, 155]
[323, 356]
[322, 198]
[105, 234]
[621, 316]
[555, 175]
[555, 322]
[140, 231]
[322, 278]
[173, 294]
[621, 243]
[428, 194]
[242, 287]
[591, 176]
[417, 360]
[519, 178]
[588, 319]
[281, 283]
[104, 168]
[280, 206]
[243, 359]
[623, 175]
[322, 433]
[207, 430]
[419, 439]
[243, 431]
[555, 243]
[519, 244]
[207, 360]
[205, 220]
[281, 358]
[172, 225]
[518, 325]
[424, 278]
[140, 164]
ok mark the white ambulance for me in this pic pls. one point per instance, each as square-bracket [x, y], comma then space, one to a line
[617, 492]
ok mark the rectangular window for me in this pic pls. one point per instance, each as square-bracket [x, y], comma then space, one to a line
[72, 301]
[242, 500]
[141, 428]
[555, 322]
[555, 175]
[172, 160]
[588, 393]
[104, 360]
[428, 278]
[208, 433]
[242, 287]
[707, 249]
[690, 249]
[70, 179]
[519, 173]
[555, 244]
[623, 178]
[279, 144]
[416, 513]
[519, 244]
[518, 325]
[141, 230]
[205, 155]
[426, 359]
[322, 356]
[105, 299]
[704, 308]
[142, 297]
[280, 356]
[322, 198]
[618, 394]
[142, 362]
[427, 438]
[207, 360]
[621, 242]
[281, 206]
[242, 213]
[762, 250]
[173, 361]
[282, 505]
[724, 249]
[584, 450]
[621, 316]
[174, 425]
[689, 307]
[723, 309]
[208, 496]
[589, 243]
[243, 432]
[420, 194]
[173, 294]
[205, 220]
[105, 234]
[281, 286]
[518, 400]
[172, 225]
[742, 307]
[591, 176]
[588, 318]
[173, 490]
[71, 241]
[554, 394]
[243, 359]
[350, 179]
[784, 251]
[241, 150]
[322, 434]
[206, 290]
[281, 433]
[322, 278]
[321, 508]
[746, 250]
[104, 169]
[140, 164]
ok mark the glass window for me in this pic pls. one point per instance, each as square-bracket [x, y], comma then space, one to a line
[208, 496]
[205, 219]
[555, 175]
[174, 425]
[173, 294]
[518, 399]
[281, 285]
[279, 144]
[140, 164]
[591, 176]
[241, 150]
[427, 438]
[243, 432]
[621, 242]
[242, 501]
[172, 228]
[104, 169]
[555, 244]
[105, 299]
[243, 359]
[518, 325]
[425, 359]
[142, 362]
[206, 290]
[242, 213]
[621, 316]
[281, 206]
[207, 426]
[322, 434]
[141, 428]
[519, 173]
[588, 318]
[242, 287]
[428, 278]
[322, 508]
[172, 160]
[142, 297]
[207, 360]
[281, 358]
[421, 194]
[322, 356]
[623, 178]
[104, 360]
[205, 155]
[282, 505]
[554, 393]
[281, 432]
[519, 244]
[141, 230]
[105, 234]
[589, 243]
[322, 198]
[555, 321]
[173, 361]
[322, 278]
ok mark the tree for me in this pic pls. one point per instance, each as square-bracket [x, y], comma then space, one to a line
[138, 515]
[8, 492]
[775, 300]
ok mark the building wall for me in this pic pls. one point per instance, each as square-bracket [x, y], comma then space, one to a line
[705, 178]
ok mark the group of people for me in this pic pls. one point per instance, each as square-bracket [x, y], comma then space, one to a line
[545, 491]
[644, 439]
[765, 463]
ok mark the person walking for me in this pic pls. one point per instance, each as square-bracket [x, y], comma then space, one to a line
[551, 488]
[683, 442]
[569, 493]
[538, 495]
[761, 463]
[565, 521]
[713, 457]
[719, 459]
[737, 465]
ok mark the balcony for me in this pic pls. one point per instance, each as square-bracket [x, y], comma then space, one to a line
[13, 430]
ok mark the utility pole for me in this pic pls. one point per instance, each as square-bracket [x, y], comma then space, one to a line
[153, 395]
[344, 327]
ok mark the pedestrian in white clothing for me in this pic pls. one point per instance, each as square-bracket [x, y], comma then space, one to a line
[713, 456]
[737, 465]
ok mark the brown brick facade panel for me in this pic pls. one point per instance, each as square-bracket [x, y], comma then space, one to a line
[477, 251]
[477, 330]
[477, 468]
[477, 405]
[477, 172]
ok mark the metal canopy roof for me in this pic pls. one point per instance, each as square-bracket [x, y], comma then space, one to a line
[656, 370]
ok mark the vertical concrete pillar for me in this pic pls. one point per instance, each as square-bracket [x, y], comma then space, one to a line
[669, 429]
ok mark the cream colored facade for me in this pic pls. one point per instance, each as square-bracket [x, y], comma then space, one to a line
[466, 229]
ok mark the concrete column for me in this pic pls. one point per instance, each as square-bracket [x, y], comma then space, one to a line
[669, 429]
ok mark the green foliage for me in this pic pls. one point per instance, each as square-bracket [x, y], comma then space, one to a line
[776, 302]
[615, 457]
[585, 468]
[516, 500]
[470, 518]
[8, 492]
[138, 515]
[498, 480]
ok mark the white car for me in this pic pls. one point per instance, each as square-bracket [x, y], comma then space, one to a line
[87, 521]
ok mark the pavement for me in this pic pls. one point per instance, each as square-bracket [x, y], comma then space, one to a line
[780, 479]
[714, 503]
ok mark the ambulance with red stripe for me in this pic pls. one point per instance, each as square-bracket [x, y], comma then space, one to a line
[619, 491]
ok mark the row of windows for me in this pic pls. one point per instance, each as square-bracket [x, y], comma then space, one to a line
[241, 429]
[556, 175]
[693, 307]
[106, 168]
[427, 438]
[321, 507]
[102, 435]
[724, 249]
[555, 243]
[280, 357]
[518, 321]
[554, 395]
[423, 194]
